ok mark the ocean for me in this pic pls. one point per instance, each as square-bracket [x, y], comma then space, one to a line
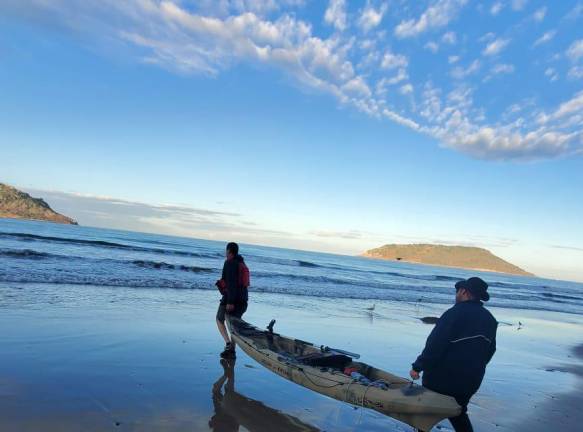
[40, 253]
[106, 329]
[33, 253]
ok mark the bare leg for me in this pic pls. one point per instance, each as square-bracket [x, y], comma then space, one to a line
[223, 331]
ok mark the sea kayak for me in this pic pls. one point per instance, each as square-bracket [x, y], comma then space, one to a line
[335, 374]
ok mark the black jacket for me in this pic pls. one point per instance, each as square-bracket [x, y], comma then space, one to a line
[457, 351]
[235, 293]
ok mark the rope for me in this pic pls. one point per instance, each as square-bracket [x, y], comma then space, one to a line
[338, 383]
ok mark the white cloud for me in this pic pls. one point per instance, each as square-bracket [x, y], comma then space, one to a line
[546, 37]
[502, 69]
[336, 14]
[492, 143]
[158, 218]
[576, 72]
[494, 47]
[371, 17]
[181, 39]
[575, 51]
[383, 83]
[432, 46]
[487, 37]
[406, 89]
[460, 73]
[449, 38]
[357, 86]
[552, 74]
[400, 119]
[518, 5]
[576, 12]
[496, 8]
[540, 14]
[572, 106]
[393, 61]
[436, 16]
[347, 235]
[367, 44]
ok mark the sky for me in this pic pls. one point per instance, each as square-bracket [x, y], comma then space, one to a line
[334, 126]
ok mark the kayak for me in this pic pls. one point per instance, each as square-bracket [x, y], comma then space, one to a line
[335, 373]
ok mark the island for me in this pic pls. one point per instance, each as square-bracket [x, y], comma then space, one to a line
[16, 204]
[466, 257]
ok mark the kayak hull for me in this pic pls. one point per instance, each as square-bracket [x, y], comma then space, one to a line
[399, 398]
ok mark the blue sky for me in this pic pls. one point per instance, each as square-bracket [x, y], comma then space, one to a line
[326, 125]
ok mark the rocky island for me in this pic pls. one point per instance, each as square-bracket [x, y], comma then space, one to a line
[20, 205]
[466, 257]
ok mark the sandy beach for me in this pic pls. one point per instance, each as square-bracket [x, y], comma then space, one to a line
[97, 358]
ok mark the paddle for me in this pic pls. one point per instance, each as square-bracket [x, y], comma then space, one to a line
[348, 353]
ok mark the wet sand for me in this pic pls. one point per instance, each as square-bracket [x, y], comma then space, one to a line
[561, 411]
[99, 359]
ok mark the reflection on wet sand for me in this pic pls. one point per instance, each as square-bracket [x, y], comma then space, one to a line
[232, 410]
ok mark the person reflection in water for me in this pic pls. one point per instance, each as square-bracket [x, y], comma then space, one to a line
[233, 409]
[222, 421]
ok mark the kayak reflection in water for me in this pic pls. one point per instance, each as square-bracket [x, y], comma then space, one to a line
[233, 409]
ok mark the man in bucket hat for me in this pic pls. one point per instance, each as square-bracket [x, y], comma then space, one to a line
[458, 349]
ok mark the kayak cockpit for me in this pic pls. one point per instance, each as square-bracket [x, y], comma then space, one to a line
[298, 352]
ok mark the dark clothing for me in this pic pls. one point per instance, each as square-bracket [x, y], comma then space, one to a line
[240, 309]
[457, 351]
[461, 423]
[235, 294]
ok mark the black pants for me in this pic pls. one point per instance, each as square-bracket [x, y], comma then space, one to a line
[462, 423]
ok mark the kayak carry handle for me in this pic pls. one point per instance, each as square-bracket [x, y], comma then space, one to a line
[348, 353]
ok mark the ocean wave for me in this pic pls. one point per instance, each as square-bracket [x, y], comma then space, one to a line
[95, 280]
[425, 277]
[165, 266]
[104, 244]
[561, 296]
[308, 264]
[285, 262]
[158, 265]
[24, 253]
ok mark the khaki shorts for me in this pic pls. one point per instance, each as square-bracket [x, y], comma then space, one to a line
[240, 309]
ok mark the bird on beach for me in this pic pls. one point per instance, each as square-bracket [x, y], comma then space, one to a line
[371, 308]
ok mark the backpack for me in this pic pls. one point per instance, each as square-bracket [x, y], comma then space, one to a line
[244, 276]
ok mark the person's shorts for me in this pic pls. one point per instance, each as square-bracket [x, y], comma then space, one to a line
[240, 309]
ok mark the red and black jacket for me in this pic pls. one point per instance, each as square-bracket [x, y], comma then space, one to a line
[234, 293]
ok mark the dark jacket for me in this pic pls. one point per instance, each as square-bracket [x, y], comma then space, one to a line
[235, 294]
[457, 351]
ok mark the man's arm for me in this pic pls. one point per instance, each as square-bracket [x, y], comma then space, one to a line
[492, 348]
[436, 344]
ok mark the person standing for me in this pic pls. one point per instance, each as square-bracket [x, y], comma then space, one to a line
[233, 287]
[458, 349]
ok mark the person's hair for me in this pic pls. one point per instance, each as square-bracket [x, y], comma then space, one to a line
[233, 248]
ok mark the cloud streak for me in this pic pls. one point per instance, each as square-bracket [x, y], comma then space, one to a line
[171, 219]
[436, 16]
[369, 75]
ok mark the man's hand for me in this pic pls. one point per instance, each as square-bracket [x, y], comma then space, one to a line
[230, 307]
[414, 374]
